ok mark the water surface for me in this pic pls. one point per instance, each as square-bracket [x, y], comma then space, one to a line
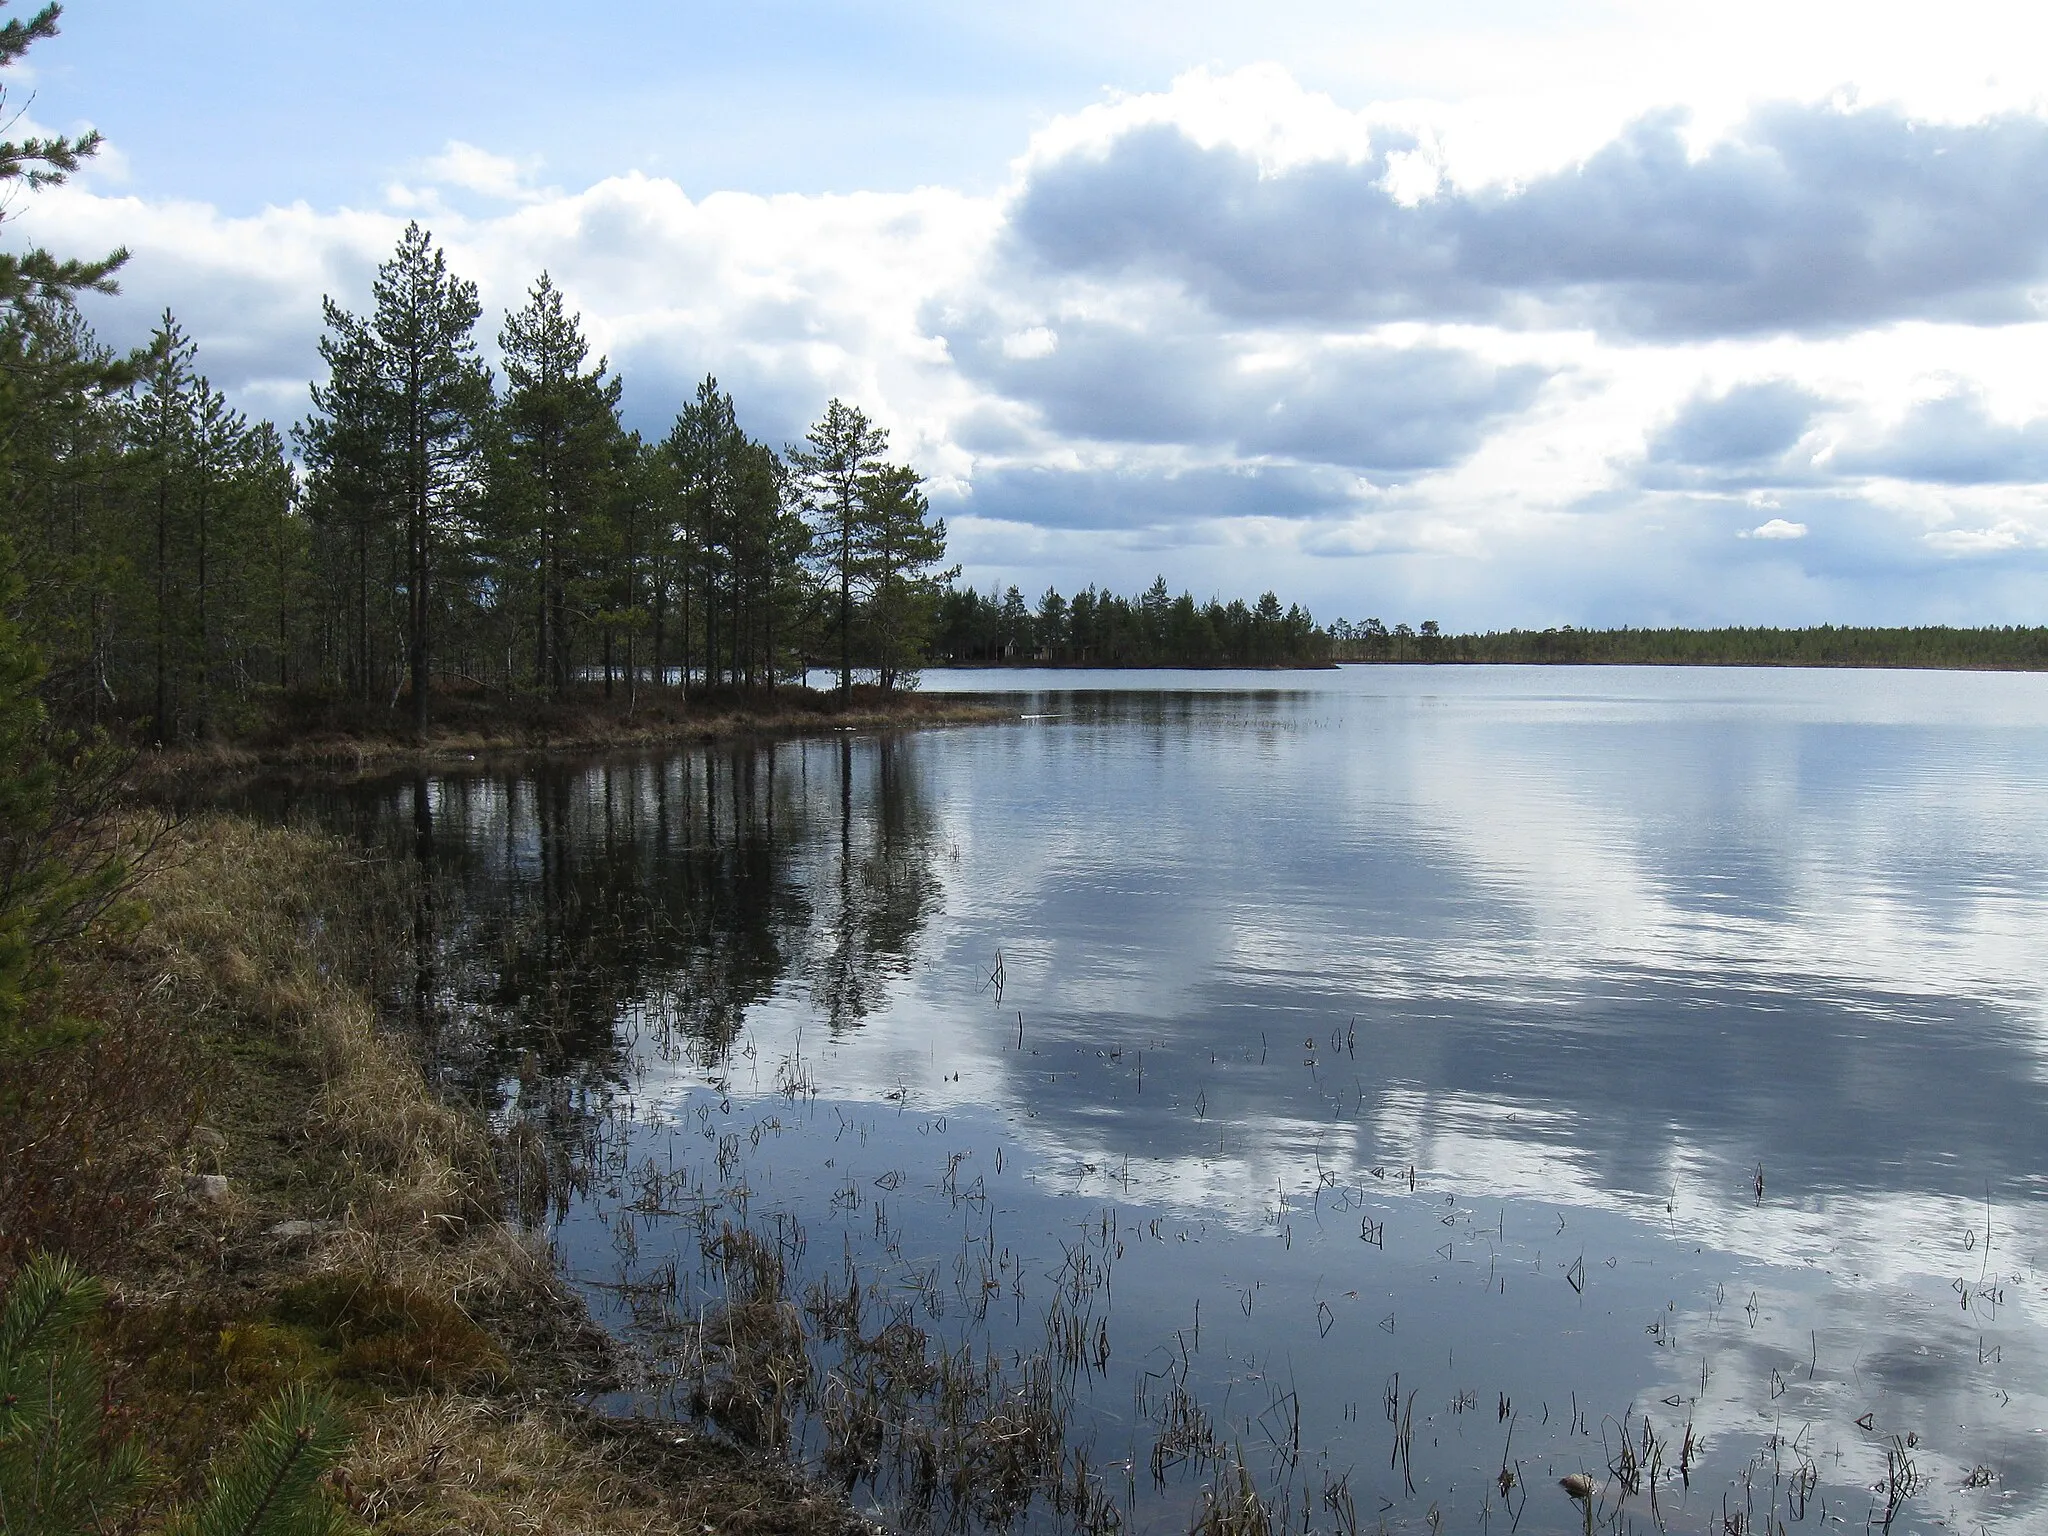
[1432, 1072]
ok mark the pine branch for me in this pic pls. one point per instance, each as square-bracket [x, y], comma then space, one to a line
[51, 1299]
[17, 36]
[269, 1486]
[56, 1475]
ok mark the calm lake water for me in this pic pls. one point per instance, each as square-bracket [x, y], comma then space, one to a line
[1406, 1084]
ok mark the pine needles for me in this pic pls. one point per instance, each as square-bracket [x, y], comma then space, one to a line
[270, 1483]
[64, 1468]
[58, 1473]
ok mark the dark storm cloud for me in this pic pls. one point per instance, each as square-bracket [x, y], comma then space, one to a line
[1737, 440]
[1807, 219]
[1139, 497]
[1747, 437]
[777, 397]
[1385, 411]
[1953, 441]
[1749, 424]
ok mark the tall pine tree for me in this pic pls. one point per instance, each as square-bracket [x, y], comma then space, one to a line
[561, 425]
[437, 394]
[902, 544]
[844, 447]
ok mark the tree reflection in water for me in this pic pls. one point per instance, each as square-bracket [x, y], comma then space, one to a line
[567, 915]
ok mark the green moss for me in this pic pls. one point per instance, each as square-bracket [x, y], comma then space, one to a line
[191, 1376]
[392, 1336]
[265, 1356]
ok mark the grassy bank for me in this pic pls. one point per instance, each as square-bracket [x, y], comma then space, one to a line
[274, 1197]
[320, 732]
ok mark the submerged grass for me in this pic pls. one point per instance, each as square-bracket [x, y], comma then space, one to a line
[946, 1438]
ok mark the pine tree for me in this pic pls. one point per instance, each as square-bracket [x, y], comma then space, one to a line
[769, 540]
[63, 867]
[561, 423]
[62, 500]
[347, 446]
[700, 450]
[221, 455]
[658, 484]
[437, 393]
[845, 448]
[902, 543]
[638, 478]
[160, 430]
[63, 1471]
[35, 276]
[279, 554]
[53, 1476]
[737, 540]
[268, 1484]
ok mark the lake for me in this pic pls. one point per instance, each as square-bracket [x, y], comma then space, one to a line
[1385, 1091]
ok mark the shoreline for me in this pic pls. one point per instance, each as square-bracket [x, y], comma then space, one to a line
[478, 734]
[1785, 665]
[300, 1209]
[1701, 664]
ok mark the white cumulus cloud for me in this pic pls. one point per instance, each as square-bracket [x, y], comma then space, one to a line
[470, 169]
[1254, 337]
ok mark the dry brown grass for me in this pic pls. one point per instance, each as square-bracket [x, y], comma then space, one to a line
[466, 1464]
[445, 1327]
[255, 938]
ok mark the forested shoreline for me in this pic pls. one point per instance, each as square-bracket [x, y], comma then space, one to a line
[2007, 648]
[255, 1275]
[440, 527]
[1098, 628]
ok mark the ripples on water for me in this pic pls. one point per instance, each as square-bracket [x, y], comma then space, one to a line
[1402, 1076]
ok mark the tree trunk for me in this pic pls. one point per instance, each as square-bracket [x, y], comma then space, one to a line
[362, 635]
[845, 601]
[420, 658]
[162, 730]
[205, 712]
[541, 669]
[660, 615]
[711, 637]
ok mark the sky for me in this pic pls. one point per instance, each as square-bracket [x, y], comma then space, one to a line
[1489, 313]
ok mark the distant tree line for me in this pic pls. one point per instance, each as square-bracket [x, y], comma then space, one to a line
[437, 524]
[1097, 627]
[1826, 645]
